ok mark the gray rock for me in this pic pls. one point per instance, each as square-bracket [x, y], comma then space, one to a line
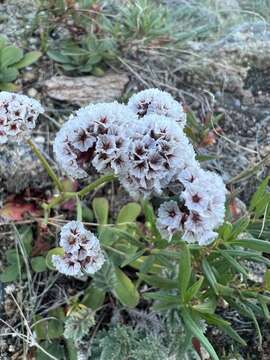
[86, 89]
[19, 169]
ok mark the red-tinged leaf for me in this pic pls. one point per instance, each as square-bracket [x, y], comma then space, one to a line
[209, 139]
[17, 211]
[237, 209]
[197, 346]
[69, 205]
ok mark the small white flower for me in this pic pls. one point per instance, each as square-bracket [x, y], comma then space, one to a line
[67, 264]
[189, 174]
[155, 101]
[80, 137]
[70, 236]
[169, 219]
[196, 198]
[91, 264]
[9, 289]
[18, 114]
[82, 252]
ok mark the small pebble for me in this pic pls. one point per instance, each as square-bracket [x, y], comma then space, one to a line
[32, 92]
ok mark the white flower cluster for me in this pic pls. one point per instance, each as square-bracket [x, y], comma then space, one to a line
[155, 101]
[200, 209]
[96, 136]
[146, 150]
[158, 149]
[18, 114]
[144, 143]
[82, 251]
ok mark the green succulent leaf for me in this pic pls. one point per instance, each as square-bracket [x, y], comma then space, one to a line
[159, 281]
[54, 348]
[58, 57]
[38, 264]
[8, 74]
[10, 55]
[191, 325]
[129, 213]
[125, 290]
[10, 273]
[93, 297]
[28, 59]
[210, 276]
[184, 270]
[101, 210]
[259, 195]
[267, 279]
[224, 325]
[193, 290]
[259, 245]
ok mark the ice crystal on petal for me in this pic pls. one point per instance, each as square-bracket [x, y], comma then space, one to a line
[82, 252]
[18, 114]
[155, 101]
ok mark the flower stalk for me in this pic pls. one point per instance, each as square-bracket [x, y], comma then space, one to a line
[81, 193]
[46, 165]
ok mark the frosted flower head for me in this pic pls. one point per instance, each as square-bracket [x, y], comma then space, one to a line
[82, 252]
[201, 204]
[204, 199]
[169, 219]
[158, 149]
[67, 264]
[95, 136]
[18, 114]
[155, 101]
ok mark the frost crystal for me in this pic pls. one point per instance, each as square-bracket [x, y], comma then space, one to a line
[155, 101]
[94, 136]
[82, 251]
[201, 207]
[158, 149]
[18, 114]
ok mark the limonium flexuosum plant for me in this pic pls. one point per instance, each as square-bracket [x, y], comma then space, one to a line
[143, 144]
[171, 245]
